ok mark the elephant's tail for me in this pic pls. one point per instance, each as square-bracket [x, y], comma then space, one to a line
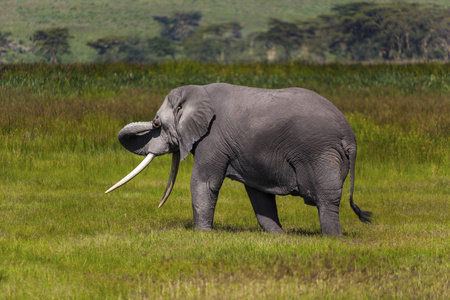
[364, 216]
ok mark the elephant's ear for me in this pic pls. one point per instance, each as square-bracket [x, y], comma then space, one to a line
[193, 113]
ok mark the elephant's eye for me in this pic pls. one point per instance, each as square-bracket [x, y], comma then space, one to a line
[156, 123]
[179, 110]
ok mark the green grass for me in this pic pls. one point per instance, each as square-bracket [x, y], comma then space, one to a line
[62, 237]
[91, 20]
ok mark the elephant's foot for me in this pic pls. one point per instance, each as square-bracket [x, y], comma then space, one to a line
[269, 224]
[203, 217]
[202, 229]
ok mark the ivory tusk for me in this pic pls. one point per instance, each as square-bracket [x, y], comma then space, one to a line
[172, 177]
[133, 173]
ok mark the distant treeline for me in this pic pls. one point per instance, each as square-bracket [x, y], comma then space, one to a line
[361, 31]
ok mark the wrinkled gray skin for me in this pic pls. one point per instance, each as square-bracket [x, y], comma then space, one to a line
[276, 142]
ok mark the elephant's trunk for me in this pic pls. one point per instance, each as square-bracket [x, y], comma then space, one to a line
[135, 136]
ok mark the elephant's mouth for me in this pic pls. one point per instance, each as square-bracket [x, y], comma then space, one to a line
[143, 132]
[147, 160]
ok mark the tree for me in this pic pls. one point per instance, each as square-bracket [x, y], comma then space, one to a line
[439, 43]
[4, 42]
[349, 33]
[284, 34]
[106, 44]
[123, 49]
[161, 47]
[401, 30]
[313, 45]
[129, 49]
[108, 48]
[180, 26]
[52, 42]
[215, 42]
[367, 31]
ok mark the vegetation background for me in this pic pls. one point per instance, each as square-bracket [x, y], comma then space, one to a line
[89, 21]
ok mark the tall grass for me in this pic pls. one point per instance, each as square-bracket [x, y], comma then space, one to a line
[332, 79]
[83, 105]
[61, 237]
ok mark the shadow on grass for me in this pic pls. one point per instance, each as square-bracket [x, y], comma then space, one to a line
[188, 224]
[242, 228]
[235, 228]
[318, 232]
[304, 232]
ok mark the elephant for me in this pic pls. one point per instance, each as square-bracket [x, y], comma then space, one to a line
[288, 141]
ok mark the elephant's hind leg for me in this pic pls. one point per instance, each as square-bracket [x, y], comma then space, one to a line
[265, 208]
[329, 218]
[328, 174]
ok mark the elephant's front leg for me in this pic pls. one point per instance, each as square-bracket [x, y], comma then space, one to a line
[205, 186]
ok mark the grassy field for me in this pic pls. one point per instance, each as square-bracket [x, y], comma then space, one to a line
[62, 237]
[91, 20]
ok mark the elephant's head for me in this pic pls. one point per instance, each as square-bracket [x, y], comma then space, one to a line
[182, 120]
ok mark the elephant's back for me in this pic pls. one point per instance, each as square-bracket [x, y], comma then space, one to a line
[256, 105]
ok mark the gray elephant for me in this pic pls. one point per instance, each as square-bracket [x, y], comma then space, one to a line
[276, 142]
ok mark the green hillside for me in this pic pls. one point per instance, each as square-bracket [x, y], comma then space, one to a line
[92, 19]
